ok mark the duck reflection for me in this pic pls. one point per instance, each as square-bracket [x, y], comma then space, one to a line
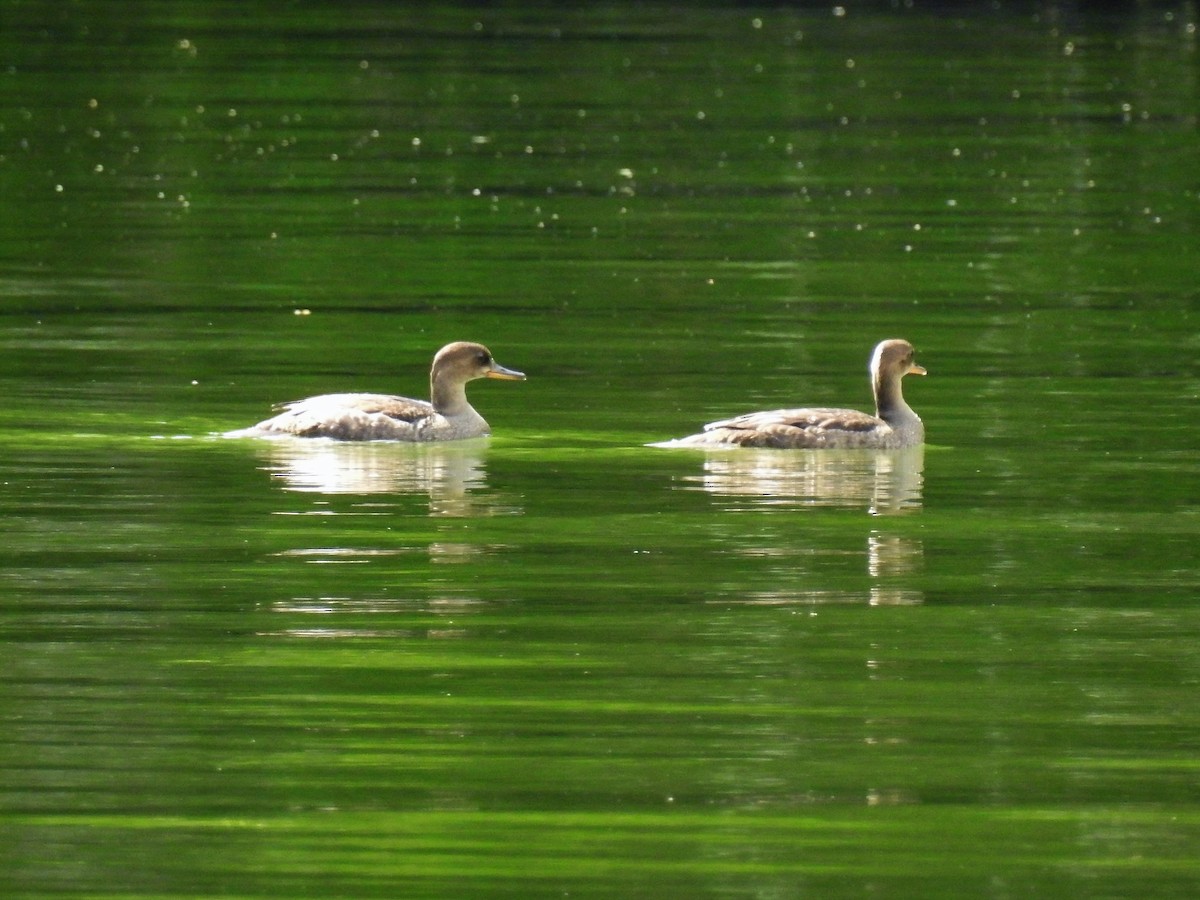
[883, 483]
[891, 559]
[373, 618]
[886, 482]
[452, 474]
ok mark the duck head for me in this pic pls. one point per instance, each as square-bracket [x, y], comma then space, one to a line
[465, 361]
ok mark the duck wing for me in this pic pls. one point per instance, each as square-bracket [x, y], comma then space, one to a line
[349, 416]
[403, 409]
[799, 428]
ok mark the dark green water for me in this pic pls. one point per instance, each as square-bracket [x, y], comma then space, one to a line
[558, 662]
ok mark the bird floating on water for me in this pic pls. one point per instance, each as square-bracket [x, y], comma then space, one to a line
[893, 426]
[383, 417]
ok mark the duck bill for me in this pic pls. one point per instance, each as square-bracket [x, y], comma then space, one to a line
[498, 371]
[914, 369]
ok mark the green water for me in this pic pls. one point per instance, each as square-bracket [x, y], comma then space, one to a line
[557, 662]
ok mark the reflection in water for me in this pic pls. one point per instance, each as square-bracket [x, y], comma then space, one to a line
[359, 618]
[452, 473]
[884, 482]
[887, 482]
[890, 558]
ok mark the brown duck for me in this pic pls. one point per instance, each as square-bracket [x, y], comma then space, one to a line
[383, 417]
[893, 426]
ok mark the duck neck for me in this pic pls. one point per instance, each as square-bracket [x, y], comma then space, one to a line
[448, 399]
[890, 405]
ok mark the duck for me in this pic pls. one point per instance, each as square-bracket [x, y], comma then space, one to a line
[894, 425]
[383, 417]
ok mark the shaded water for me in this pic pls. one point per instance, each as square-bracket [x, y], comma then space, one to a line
[558, 662]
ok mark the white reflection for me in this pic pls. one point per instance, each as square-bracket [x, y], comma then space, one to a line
[360, 618]
[890, 559]
[451, 473]
[884, 481]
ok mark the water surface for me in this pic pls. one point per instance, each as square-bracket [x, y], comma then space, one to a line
[557, 662]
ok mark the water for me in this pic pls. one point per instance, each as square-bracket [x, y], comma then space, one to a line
[557, 662]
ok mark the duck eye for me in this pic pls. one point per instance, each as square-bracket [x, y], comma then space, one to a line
[484, 359]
